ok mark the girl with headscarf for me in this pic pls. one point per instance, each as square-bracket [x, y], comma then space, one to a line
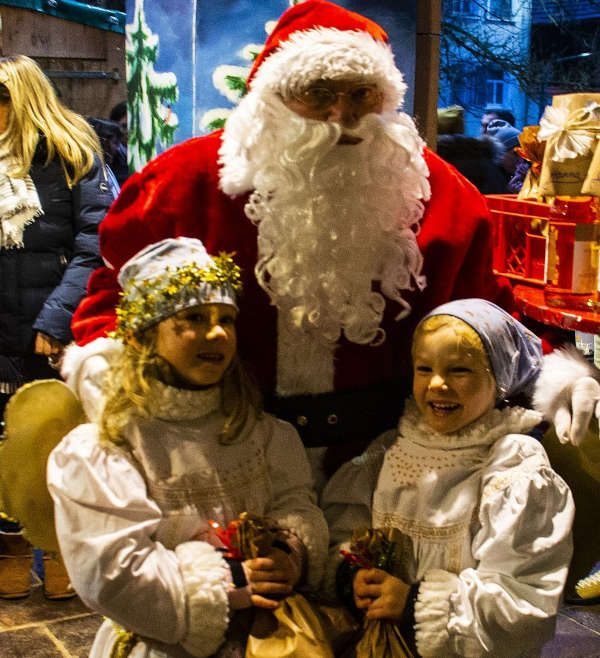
[478, 522]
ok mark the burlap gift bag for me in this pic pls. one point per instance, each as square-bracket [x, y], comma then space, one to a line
[298, 627]
[570, 127]
[301, 627]
[386, 549]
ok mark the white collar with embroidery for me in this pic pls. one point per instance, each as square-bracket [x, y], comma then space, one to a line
[484, 431]
[170, 403]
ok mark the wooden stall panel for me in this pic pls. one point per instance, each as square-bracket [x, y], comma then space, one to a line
[86, 64]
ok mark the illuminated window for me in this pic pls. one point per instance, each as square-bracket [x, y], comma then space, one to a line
[495, 92]
[498, 10]
[463, 7]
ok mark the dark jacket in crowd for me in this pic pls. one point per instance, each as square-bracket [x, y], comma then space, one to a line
[516, 182]
[120, 166]
[477, 159]
[42, 283]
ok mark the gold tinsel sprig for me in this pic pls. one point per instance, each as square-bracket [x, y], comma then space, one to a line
[143, 303]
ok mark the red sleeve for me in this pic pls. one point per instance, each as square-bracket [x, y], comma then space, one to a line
[164, 200]
[95, 314]
[456, 240]
[175, 194]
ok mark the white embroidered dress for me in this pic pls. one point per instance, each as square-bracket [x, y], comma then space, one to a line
[125, 521]
[485, 528]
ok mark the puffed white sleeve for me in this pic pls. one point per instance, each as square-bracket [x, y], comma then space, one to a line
[106, 524]
[293, 500]
[347, 502]
[507, 603]
[84, 369]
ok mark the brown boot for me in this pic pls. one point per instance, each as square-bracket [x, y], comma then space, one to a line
[16, 560]
[57, 584]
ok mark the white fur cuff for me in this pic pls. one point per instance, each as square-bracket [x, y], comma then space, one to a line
[314, 536]
[432, 612]
[205, 579]
[560, 370]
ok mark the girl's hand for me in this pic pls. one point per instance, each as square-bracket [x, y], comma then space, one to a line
[390, 602]
[47, 345]
[50, 347]
[366, 587]
[271, 576]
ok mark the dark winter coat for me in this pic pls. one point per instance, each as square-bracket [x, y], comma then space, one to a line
[477, 159]
[42, 283]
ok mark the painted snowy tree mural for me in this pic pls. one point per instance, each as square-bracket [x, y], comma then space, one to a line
[149, 94]
[230, 81]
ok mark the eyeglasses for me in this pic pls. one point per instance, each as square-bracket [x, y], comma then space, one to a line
[319, 97]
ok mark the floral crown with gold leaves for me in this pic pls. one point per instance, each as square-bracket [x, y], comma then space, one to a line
[170, 276]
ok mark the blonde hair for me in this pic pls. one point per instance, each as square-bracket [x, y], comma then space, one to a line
[466, 337]
[34, 109]
[127, 389]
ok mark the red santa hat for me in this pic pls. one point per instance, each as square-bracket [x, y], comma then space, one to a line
[317, 40]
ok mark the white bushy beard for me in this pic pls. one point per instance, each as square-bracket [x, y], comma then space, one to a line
[334, 218]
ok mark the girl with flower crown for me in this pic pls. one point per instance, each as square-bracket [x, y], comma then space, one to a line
[178, 446]
[474, 524]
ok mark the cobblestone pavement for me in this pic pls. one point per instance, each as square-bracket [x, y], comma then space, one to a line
[37, 628]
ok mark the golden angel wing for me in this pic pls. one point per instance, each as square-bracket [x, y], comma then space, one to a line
[36, 418]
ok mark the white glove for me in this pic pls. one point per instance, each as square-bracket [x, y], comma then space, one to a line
[567, 395]
[572, 418]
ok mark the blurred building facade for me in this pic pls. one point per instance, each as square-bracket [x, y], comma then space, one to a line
[517, 54]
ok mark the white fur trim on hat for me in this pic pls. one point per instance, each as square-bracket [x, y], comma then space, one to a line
[327, 53]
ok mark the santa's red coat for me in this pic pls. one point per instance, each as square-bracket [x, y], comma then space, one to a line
[177, 194]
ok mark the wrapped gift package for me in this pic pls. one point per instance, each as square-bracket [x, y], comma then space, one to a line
[570, 127]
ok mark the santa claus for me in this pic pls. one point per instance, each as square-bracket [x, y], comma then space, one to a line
[348, 229]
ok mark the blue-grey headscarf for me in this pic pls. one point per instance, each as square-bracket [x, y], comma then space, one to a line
[515, 353]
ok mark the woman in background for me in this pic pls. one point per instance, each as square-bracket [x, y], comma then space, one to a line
[53, 195]
[109, 134]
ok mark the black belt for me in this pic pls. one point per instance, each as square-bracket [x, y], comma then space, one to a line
[335, 418]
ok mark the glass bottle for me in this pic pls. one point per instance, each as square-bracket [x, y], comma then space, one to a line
[572, 253]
